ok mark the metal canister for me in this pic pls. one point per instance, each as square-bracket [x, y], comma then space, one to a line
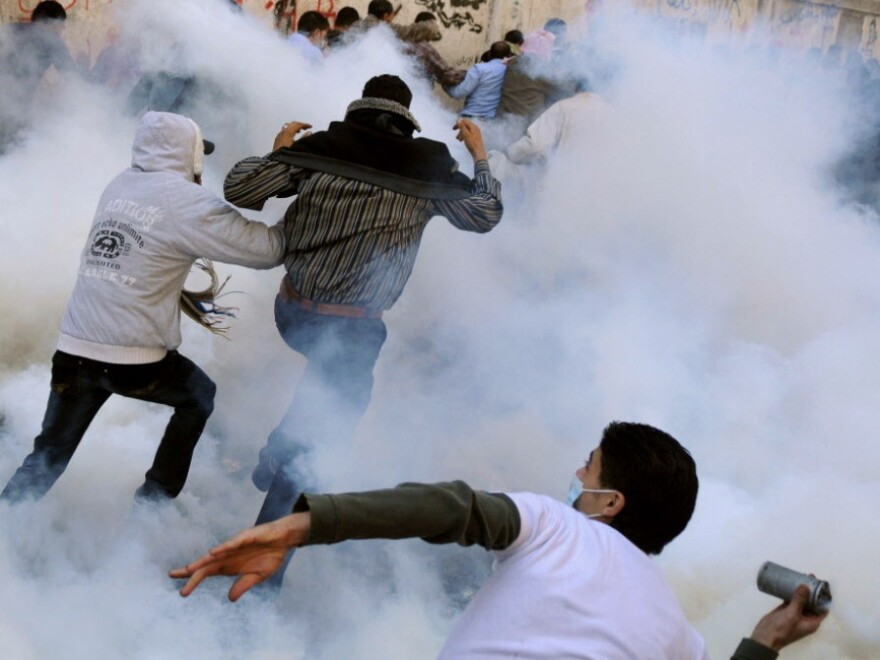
[782, 582]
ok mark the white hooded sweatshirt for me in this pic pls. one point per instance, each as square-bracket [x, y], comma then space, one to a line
[152, 223]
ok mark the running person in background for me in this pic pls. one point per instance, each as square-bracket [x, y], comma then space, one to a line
[366, 189]
[431, 61]
[27, 51]
[345, 18]
[481, 87]
[382, 12]
[121, 327]
[310, 36]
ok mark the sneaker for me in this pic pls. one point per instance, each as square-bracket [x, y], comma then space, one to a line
[264, 473]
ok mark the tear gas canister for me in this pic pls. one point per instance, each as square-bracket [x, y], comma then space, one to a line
[782, 582]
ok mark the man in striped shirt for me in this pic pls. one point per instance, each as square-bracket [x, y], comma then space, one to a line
[365, 190]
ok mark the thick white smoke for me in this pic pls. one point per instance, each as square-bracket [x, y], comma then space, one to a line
[685, 263]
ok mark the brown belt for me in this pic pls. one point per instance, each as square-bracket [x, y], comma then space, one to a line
[290, 295]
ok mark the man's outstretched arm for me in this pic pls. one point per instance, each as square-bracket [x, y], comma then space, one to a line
[438, 513]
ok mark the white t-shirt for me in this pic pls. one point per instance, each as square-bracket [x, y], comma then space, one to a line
[575, 119]
[569, 587]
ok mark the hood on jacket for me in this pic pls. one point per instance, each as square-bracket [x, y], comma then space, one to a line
[166, 142]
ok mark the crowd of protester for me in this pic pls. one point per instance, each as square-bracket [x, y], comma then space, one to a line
[575, 579]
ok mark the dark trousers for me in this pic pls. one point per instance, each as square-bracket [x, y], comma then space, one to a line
[330, 399]
[81, 386]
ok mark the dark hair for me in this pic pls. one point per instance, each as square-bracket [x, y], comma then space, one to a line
[499, 50]
[379, 8]
[346, 17]
[388, 87]
[311, 21]
[515, 37]
[48, 10]
[658, 479]
[425, 16]
[556, 25]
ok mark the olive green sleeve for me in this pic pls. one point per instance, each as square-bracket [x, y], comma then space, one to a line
[749, 649]
[437, 513]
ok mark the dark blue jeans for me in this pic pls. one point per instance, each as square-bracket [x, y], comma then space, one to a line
[81, 386]
[330, 399]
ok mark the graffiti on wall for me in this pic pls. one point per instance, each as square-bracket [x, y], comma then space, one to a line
[869, 37]
[800, 24]
[515, 12]
[449, 15]
[728, 14]
[733, 15]
[287, 12]
[285, 15]
[679, 8]
[327, 8]
[27, 6]
[681, 5]
[795, 15]
[731, 9]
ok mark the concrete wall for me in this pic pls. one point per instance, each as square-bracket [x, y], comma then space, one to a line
[791, 23]
[469, 26]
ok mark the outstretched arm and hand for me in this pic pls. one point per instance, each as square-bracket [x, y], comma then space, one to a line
[780, 627]
[438, 513]
[254, 555]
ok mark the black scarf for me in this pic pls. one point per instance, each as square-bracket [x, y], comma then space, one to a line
[377, 148]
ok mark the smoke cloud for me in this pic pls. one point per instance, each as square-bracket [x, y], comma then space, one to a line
[687, 263]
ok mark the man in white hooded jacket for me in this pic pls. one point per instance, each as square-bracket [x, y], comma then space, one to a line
[121, 327]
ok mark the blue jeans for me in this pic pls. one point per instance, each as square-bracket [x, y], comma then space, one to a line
[81, 386]
[330, 399]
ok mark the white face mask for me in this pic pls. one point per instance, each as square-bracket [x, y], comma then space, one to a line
[575, 490]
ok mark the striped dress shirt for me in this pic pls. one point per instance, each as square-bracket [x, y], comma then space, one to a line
[354, 243]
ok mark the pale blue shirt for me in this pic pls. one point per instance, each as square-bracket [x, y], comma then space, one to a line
[482, 87]
[306, 48]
